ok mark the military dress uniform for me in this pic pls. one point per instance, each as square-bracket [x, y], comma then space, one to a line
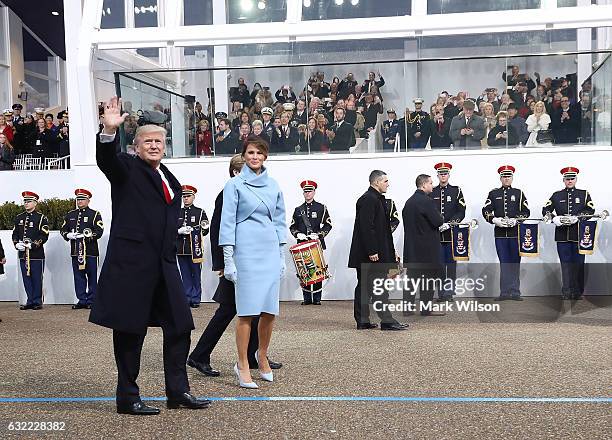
[392, 214]
[451, 204]
[567, 204]
[503, 206]
[418, 122]
[30, 233]
[191, 219]
[83, 227]
[311, 219]
[389, 131]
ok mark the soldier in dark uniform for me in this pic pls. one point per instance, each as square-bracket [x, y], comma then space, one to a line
[419, 126]
[389, 130]
[268, 125]
[31, 232]
[189, 252]
[83, 227]
[503, 207]
[311, 221]
[16, 116]
[449, 201]
[392, 214]
[567, 204]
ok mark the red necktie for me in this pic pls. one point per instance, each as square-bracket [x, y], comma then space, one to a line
[166, 192]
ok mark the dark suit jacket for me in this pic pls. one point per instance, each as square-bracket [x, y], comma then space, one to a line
[440, 139]
[225, 293]
[501, 142]
[372, 231]
[230, 145]
[566, 132]
[1, 257]
[140, 265]
[344, 139]
[421, 236]
[283, 143]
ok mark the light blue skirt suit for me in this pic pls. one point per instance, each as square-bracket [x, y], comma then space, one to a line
[253, 221]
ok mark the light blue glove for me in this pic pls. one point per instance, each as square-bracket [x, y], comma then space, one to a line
[283, 266]
[229, 271]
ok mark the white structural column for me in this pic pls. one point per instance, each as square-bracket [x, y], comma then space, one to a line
[80, 24]
[583, 42]
[220, 60]
[15, 55]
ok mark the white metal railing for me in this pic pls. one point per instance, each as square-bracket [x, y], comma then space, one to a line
[26, 162]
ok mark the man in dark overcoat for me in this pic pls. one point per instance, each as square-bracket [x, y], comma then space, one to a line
[422, 240]
[371, 246]
[139, 284]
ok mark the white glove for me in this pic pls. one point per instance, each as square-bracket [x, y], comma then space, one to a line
[184, 230]
[444, 227]
[79, 235]
[28, 245]
[229, 271]
[557, 220]
[283, 265]
[566, 220]
[20, 246]
[313, 236]
[301, 236]
[500, 222]
[511, 222]
[573, 219]
[71, 235]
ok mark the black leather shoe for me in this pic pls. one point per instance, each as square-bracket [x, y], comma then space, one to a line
[517, 298]
[37, 307]
[25, 307]
[79, 306]
[194, 306]
[88, 306]
[187, 400]
[305, 303]
[366, 326]
[137, 409]
[394, 327]
[275, 365]
[317, 303]
[203, 368]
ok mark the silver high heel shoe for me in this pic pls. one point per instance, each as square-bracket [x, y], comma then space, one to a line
[268, 377]
[251, 385]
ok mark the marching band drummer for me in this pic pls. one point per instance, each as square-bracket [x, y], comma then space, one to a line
[567, 204]
[30, 233]
[193, 226]
[503, 208]
[83, 227]
[311, 221]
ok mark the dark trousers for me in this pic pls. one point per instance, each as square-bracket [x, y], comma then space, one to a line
[510, 266]
[449, 269]
[364, 292]
[572, 269]
[33, 283]
[191, 274]
[128, 347]
[215, 329]
[85, 281]
[313, 293]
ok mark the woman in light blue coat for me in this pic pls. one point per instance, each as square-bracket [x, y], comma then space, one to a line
[253, 235]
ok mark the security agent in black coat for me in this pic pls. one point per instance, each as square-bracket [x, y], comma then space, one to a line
[342, 134]
[371, 246]
[83, 227]
[311, 221]
[422, 255]
[139, 284]
[566, 205]
[30, 233]
[451, 205]
[504, 206]
[225, 295]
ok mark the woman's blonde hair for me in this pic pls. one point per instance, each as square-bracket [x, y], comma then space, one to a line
[543, 107]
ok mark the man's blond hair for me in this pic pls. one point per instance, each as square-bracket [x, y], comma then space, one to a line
[148, 129]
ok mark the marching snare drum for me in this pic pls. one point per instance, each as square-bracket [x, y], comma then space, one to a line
[309, 262]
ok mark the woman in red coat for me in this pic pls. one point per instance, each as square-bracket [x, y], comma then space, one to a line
[6, 128]
[204, 139]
